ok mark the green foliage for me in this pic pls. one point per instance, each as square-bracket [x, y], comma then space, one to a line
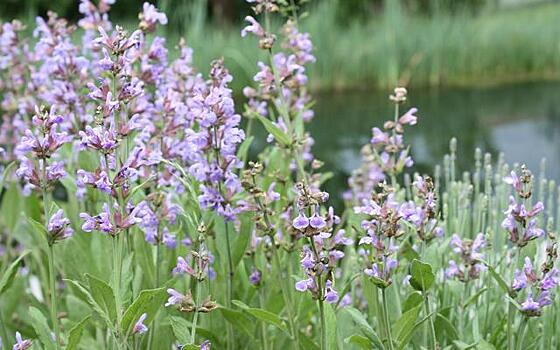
[9, 274]
[148, 301]
[422, 276]
[41, 327]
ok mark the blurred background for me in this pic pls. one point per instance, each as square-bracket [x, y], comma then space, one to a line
[484, 71]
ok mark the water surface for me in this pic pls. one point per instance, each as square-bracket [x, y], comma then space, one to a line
[523, 121]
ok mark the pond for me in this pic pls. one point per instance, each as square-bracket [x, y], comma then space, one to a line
[523, 121]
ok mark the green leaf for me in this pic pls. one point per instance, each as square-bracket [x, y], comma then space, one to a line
[496, 276]
[406, 337]
[10, 274]
[242, 241]
[41, 327]
[464, 346]
[11, 207]
[278, 134]
[181, 329]
[76, 334]
[148, 301]
[86, 295]
[513, 301]
[244, 148]
[407, 251]
[364, 326]
[39, 233]
[347, 287]
[413, 300]
[190, 347]
[404, 325]
[307, 342]
[422, 275]
[484, 345]
[103, 295]
[442, 324]
[330, 324]
[263, 315]
[360, 341]
[6, 173]
[473, 298]
[238, 320]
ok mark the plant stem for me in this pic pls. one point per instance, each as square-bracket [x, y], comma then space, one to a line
[431, 321]
[521, 333]
[52, 287]
[4, 340]
[380, 318]
[276, 261]
[158, 262]
[511, 310]
[263, 325]
[195, 317]
[320, 299]
[323, 325]
[229, 286]
[386, 318]
[50, 254]
[285, 295]
[116, 285]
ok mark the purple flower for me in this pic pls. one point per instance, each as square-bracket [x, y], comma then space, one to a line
[532, 231]
[253, 27]
[519, 280]
[150, 16]
[331, 296]
[301, 222]
[21, 344]
[550, 279]
[306, 284]
[139, 326]
[168, 239]
[183, 267]
[59, 227]
[514, 181]
[205, 345]
[317, 222]
[175, 298]
[308, 258]
[255, 277]
[452, 270]
[530, 305]
[409, 117]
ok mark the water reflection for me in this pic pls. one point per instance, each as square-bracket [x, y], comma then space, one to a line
[523, 121]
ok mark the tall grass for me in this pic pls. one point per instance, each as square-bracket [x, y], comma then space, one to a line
[395, 46]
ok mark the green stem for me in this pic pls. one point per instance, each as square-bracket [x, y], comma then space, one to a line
[276, 261]
[195, 317]
[386, 319]
[285, 295]
[263, 325]
[320, 299]
[521, 333]
[116, 285]
[4, 340]
[323, 325]
[511, 310]
[511, 307]
[158, 262]
[380, 317]
[52, 287]
[50, 254]
[431, 322]
[229, 286]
